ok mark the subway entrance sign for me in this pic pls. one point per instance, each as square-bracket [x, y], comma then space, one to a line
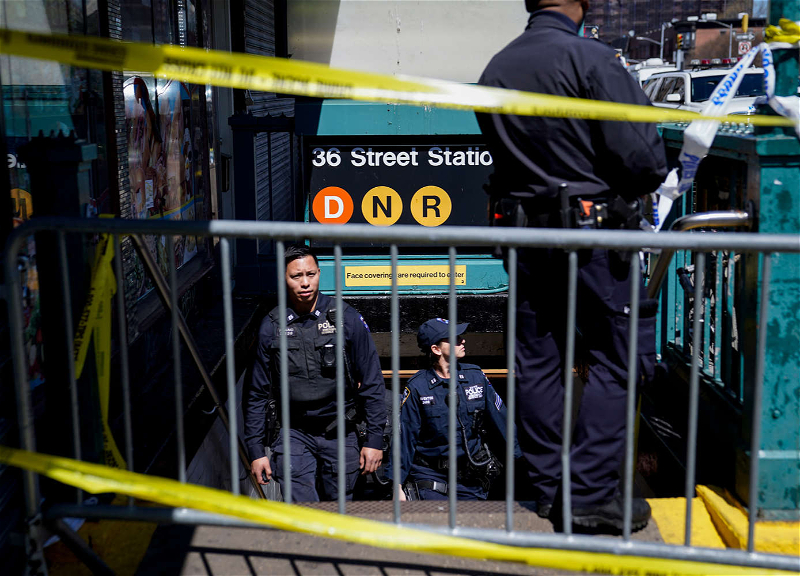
[372, 182]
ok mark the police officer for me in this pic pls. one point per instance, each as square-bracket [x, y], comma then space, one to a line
[424, 417]
[311, 336]
[554, 172]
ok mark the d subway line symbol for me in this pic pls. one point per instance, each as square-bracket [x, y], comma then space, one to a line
[382, 206]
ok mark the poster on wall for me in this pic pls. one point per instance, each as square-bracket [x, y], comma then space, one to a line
[161, 165]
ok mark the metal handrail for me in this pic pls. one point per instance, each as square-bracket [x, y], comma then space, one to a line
[719, 219]
[163, 291]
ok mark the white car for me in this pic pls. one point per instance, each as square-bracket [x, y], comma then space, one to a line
[643, 70]
[691, 89]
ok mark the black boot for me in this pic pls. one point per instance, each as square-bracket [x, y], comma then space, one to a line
[611, 514]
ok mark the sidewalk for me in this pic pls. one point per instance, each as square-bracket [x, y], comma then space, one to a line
[207, 550]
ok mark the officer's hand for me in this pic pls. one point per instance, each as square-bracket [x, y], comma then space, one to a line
[400, 494]
[261, 465]
[370, 459]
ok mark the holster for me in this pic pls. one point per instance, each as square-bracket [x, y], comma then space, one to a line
[506, 211]
[272, 424]
[411, 491]
[486, 474]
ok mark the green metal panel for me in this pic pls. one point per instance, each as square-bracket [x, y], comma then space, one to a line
[484, 274]
[350, 118]
[779, 457]
[764, 168]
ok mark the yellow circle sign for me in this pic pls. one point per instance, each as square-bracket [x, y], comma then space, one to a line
[431, 206]
[382, 206]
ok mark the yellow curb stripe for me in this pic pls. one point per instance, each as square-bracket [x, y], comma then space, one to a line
[670, 516]
[732, 523]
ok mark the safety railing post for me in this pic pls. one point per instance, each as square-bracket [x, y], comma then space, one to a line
[177, 373]
[694, 392]
[340, 360]
[569, 386]
[124, 362]
[452, 395]
[25, 423]
[630, 406]
[283, 344]
[395, 386]
[230, 363]
[66, 299]
[758, 399]
[511, 392]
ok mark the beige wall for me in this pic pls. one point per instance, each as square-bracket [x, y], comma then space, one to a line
[447, 39]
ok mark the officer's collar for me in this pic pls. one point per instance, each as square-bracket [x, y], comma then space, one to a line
[322, 304]
[434, 379]
[553, 19]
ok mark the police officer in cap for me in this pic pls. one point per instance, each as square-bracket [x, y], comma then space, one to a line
[311, 336]
[424, 416]
[557, 172]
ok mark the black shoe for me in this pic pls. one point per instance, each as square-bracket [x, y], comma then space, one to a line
[611, 514]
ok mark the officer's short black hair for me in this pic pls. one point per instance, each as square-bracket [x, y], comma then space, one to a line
[298, 251]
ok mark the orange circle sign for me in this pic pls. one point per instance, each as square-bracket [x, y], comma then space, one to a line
[332, 205]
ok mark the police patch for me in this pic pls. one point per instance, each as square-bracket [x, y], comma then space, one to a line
[474, 392]
[326, 328]
[364, 322]
[498, 402]
[427, 400]
[406, 394]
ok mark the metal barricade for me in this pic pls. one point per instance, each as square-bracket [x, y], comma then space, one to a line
[513, 239]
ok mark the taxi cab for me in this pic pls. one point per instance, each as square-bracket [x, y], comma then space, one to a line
[691, 89]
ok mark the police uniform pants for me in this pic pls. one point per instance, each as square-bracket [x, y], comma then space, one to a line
[314, 465]
[602, 316]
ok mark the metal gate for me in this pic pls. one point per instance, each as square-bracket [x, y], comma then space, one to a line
[769, 246]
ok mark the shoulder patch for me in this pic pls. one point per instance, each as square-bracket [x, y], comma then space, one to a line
[498, 402]
[406, 394]
[364, 322]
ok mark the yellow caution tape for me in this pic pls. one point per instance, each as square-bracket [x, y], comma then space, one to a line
[95, 325]
[96, 478]
[786, 31]
[236, 70]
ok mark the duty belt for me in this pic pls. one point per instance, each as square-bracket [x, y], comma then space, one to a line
[435, 485]
[440, 463]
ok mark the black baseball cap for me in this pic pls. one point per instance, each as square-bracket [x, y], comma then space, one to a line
[436, 330]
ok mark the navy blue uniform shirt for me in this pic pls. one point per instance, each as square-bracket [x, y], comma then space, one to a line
[364, 366]
[424, 417]
[534, 154]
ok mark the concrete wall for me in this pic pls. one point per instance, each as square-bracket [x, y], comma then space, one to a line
[447, 39]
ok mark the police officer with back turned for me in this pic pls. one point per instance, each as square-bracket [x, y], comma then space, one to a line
[311, 336]
[557, 172]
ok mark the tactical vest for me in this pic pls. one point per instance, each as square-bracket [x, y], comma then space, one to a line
[311, 357]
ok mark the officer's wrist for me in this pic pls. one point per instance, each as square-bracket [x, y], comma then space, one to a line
[375, 442]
